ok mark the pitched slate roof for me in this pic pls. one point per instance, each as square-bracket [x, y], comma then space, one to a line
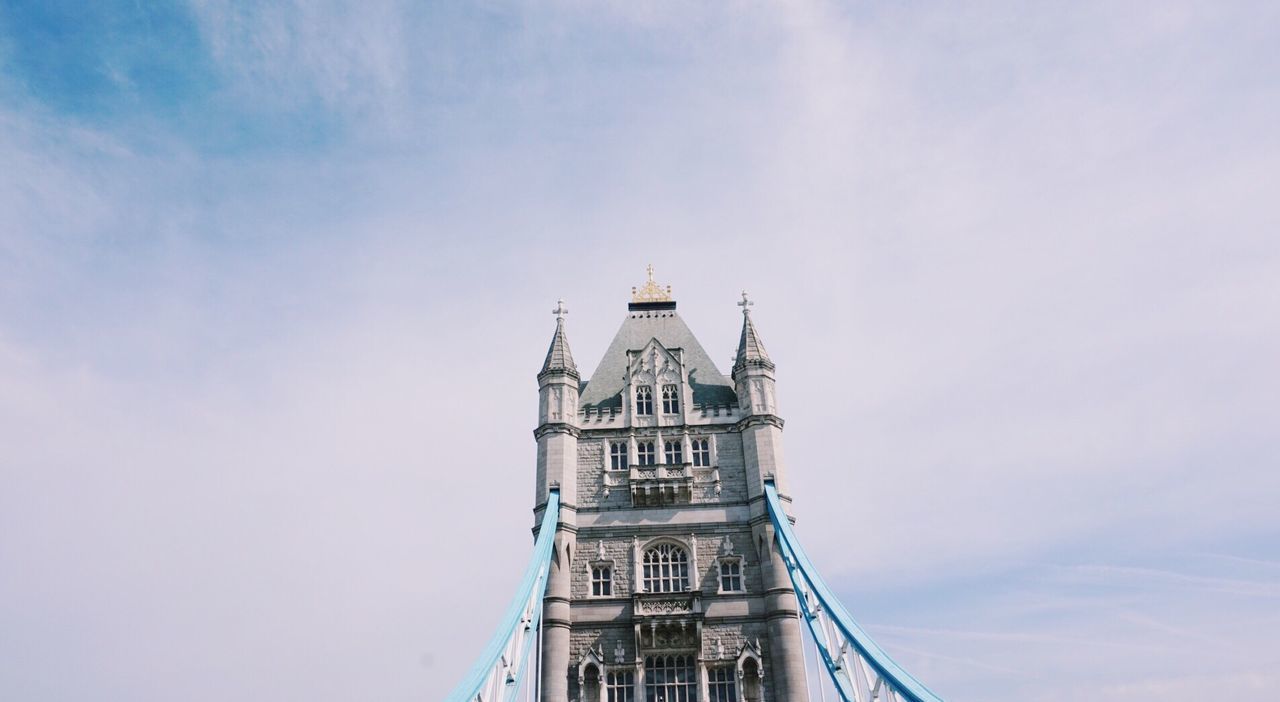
[558, 355]
[660, 322]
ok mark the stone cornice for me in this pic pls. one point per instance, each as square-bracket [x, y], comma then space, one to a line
[556, 428]
[568, 373]
[743, 366]
[754, 419]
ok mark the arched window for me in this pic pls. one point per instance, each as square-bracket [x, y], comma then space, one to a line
[645, 454]
[730, 575]
[666, 569]
[751, 681]
[621, 686]
[722, 684]
[670, 679]
[701, 452]
[670, 399]
[673, 452]
[644, 400]
[591, 684]
[618, 455]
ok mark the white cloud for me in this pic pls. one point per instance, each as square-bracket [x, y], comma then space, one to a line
[1017, 271]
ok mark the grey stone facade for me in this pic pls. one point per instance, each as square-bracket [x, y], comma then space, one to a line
[660, 456]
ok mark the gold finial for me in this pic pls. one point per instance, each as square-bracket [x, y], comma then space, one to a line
[651, 292]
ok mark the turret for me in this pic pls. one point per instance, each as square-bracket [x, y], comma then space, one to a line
[557, 431]
[761, 429]
[557, 436]
[753, 380]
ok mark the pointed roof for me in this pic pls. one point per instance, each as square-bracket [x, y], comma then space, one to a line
[559, 358]
[750, 347]
[656, 320]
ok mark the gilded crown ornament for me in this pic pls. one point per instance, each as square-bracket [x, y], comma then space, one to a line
[651, 291]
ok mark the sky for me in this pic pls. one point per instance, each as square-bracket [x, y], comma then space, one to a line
[276, 281]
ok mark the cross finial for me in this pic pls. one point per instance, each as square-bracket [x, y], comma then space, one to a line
[745, 304]
[649, 270]
[560, 311]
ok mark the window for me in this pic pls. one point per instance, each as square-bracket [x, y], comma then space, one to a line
[618, 456]
[645, 455]
[751, 680]
[601, 581]
[731, 575]
[666, 569]
[721, 685]
[621, 686]
[670, 399]
[670, 679]
[673, 452]
[701, 452]
[590, 684]
[644, 400]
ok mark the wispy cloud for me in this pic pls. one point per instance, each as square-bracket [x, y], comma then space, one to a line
[263, 338]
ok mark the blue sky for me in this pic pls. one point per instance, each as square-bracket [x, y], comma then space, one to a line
[275, 281]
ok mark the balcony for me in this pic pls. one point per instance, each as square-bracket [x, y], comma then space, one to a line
[668, 621]
[657, 485]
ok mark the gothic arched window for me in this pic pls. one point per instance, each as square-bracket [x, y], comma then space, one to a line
[730, 575]
[621, 685]
[618, 455]
[722, 684]
[666, 568]
[645, 455]
[670, 678]
[701, 452]
[644, 400]
[673, 452]
[670, 399]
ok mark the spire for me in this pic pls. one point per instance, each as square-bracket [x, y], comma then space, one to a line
[750, 348]
[559, 358]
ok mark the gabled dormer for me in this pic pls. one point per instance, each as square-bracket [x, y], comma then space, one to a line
[657, 386]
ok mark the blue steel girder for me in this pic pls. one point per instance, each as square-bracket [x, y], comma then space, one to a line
[496, 675]
[859, 669]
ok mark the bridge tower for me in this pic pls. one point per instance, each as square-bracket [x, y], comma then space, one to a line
[666, 581]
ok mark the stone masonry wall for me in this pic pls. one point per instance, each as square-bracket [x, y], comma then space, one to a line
[616, 550]
[710, 548]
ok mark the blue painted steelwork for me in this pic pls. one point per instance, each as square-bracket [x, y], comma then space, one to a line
[835, 631]
[497, 673]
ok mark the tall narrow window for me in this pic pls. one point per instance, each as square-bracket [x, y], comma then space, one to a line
[644, 400]
[621, 686]
[701, 452]
[722, 685]
[590, 684]
[670, 679]
[644, 453]
[618, 455]
[731, 575]
[750, 681]
[673, 452]
[602, 581]
[666, 569]
[670, 399]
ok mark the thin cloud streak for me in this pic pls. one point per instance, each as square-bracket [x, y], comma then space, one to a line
[268, 344]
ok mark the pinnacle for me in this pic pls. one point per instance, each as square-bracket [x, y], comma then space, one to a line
[559, 358]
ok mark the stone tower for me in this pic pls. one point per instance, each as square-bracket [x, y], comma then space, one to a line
[666, 584]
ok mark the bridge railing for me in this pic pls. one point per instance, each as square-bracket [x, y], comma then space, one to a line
[497, 674]
[859, 670]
